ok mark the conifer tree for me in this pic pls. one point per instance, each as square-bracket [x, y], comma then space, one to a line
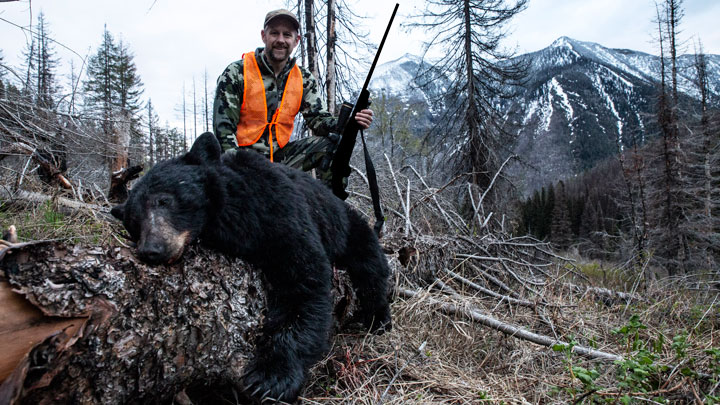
[41, 64]
[29, 55]
[469, 34]
[549, 207]
[701, 147]
[129, 89]
[669, 237]
[560, 228]
[101, 85]
[153, 133]
[175, 141]
[128, 85]
[112, 92]
[46, 65]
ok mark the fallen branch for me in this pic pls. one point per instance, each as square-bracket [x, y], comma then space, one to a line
[35, 197]
[603, 292]
[452, 224]
[490, 292]
[405, 206]
[505, 328]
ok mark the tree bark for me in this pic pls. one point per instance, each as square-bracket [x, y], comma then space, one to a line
[311, 37]
[144, 334]
[330, 79]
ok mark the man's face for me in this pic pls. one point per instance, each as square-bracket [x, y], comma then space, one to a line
[280, 38]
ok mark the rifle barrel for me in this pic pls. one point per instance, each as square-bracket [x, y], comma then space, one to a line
[382, 43]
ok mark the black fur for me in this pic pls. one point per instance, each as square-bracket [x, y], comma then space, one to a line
[281, 220]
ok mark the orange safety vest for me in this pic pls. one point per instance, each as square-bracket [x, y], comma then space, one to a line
[253, 112]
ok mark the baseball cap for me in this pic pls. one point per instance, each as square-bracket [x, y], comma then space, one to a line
[282, 13]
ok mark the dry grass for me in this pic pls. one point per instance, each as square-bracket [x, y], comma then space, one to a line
[53, 218]
[433, 358]
[51, 221]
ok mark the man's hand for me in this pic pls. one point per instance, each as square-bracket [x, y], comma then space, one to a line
[364, 118]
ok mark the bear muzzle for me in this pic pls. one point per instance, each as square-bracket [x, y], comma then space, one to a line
[160, 242]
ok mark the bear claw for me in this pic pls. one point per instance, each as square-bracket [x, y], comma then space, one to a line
[275, 385]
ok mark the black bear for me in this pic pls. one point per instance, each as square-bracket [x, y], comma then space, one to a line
[279, 219]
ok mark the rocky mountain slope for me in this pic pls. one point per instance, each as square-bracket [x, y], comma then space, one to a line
[581, 103]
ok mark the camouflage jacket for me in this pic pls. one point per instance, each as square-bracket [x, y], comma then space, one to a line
[229, 98]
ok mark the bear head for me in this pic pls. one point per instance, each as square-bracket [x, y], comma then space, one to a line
[169, 206]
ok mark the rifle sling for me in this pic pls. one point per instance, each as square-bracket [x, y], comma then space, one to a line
[374, 191]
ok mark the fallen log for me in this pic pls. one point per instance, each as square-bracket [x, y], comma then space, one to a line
[142, 334]
[607, 296]
[34, 197]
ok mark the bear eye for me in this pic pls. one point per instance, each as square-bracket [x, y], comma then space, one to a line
[163, 201]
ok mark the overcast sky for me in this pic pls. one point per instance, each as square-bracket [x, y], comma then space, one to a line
[176, 40]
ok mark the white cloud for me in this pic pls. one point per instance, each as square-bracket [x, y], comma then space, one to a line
[177, 40]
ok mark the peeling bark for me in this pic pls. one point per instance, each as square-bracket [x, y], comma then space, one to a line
[147, 333]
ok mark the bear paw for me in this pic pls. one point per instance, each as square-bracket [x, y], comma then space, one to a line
[380, 321]
[271, 382]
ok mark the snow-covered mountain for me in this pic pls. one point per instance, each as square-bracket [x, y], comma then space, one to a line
[581, 102]
[400, 78]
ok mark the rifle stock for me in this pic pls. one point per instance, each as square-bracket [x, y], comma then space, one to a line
[340, 167]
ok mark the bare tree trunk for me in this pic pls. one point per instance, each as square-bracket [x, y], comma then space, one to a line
[207, 110]
[672, 244]
[330, 79]
[185, 148]
[311, 37]
[674, 14]
[195, 133]
[302, 43]
[149, 333]
[120, 143]
[151, 131]
[471, 114]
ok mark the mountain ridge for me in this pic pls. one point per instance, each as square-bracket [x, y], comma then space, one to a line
[581, 103]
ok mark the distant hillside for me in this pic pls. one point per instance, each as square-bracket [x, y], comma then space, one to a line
[581, 102]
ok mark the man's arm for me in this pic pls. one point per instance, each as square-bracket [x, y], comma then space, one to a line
[226, 108]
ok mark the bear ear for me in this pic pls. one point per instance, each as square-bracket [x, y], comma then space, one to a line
[205, 150]
[118, 211]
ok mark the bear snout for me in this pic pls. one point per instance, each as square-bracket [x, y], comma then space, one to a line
[160, 242]
[153, 253]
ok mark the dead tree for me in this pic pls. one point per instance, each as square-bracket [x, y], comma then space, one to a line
[142, 334]
[119, 181]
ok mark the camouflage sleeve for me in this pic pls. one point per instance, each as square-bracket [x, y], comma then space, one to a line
[313, 108]
[226, 108]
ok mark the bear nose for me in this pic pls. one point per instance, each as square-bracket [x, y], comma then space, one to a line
[152, 253]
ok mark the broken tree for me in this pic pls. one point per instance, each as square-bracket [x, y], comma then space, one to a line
[145, 334]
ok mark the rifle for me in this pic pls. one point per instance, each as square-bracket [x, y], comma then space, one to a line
[340, 166]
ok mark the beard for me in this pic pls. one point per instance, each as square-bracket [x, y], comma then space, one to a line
[278, 53]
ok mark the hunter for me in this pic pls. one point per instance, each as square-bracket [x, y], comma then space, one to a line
[258, 97]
